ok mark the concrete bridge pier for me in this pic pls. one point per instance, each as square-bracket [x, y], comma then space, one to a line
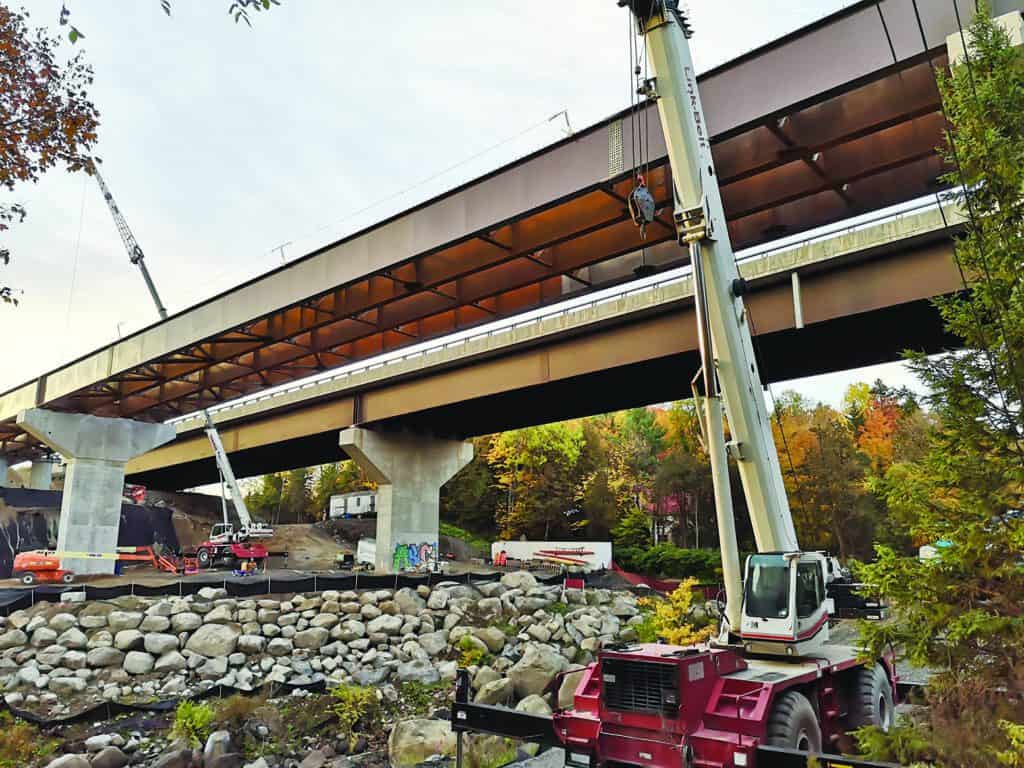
[96, 450]
[40, 474]
[4, 466]
[409, 471]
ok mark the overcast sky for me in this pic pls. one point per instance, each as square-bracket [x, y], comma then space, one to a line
[221, 142]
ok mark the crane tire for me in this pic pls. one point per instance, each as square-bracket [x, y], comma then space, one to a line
[794, 724]
[204, 557]
[871, 700]
[28, 578]
[68, 578]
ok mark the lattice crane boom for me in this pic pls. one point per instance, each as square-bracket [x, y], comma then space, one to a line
[131, 245]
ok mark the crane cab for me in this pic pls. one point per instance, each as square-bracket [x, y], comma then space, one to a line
[785, 607]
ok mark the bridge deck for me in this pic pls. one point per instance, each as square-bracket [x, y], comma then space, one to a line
[836, 119]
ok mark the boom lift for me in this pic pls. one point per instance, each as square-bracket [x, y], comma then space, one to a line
[770, 679]
[226, 542]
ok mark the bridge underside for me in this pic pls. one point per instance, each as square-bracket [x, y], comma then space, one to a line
[839, 118]
[847, 342]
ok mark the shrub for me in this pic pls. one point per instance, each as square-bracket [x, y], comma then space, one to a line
[671, 620]
[193, 721]
[479, 544]
[353, 706]
[233, 712]
[471, 654]
[22, 744]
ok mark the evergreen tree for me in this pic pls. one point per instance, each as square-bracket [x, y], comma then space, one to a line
[962, 611]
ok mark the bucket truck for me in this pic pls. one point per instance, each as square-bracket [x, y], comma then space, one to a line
[227, 543]
[770, 680]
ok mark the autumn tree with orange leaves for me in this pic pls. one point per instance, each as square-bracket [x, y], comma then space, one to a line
[46, 118]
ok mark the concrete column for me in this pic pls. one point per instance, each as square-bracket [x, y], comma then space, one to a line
[4, 466]
[409, 471]
[96, 450]
[41, 474]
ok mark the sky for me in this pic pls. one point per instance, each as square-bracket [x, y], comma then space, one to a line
[221, 143]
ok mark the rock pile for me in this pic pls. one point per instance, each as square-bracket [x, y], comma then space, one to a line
[515, 636]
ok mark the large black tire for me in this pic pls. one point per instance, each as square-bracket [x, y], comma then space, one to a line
[68, 578]
[794, 724]
[28, 578]
[871, 699]
[204, 557]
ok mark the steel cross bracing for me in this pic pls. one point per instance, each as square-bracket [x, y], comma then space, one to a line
[865, 145]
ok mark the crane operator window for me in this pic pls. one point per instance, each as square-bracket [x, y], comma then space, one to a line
[810, 589]
[767, 587]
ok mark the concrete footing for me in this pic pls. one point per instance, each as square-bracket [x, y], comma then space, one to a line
[409, 471]
[96, 450]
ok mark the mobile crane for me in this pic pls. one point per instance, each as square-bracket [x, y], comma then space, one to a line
[225, 541]
[770, 680]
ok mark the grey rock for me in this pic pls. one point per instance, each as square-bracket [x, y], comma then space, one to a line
[138, 663]
[69, 761]
[536, 669]
[408, 601]
[389, 625]
[495, 692]
[13, 638]
[118, 620]
[158, 644]
[155, 624]
[110, 757]
[412, 742]
[104, 657]
[61, 622]
[65, 685]
[434, 643]
[217, 744]
[418, 670]
[186, 622]
[128, 640]
[312, 638]
[519, 580]
[214, 640]
[73, 639]
[172, 661]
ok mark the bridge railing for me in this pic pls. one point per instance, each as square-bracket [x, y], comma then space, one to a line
[575, 305]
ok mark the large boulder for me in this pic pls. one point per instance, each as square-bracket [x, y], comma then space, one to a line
[138, 663]
[119, 620]
[567, 690]
[408, 601]
[492, 637]
[434, 643]
[158, 644]
[12, 639]
[535, 671]
[104, 657]
[419, 671]
[519, 580]
[214, 640]
[312, 638]
[497, 691]
[186, 622]
[69, 761]
[387, 624]
[533, 705]
[413, 741]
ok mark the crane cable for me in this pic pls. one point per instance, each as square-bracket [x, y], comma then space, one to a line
[74, 263]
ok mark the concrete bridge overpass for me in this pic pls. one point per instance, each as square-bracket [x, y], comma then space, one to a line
[836, 119]
[863, 298]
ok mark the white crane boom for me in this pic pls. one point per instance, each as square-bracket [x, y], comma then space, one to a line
[729, 368]
[229, 487]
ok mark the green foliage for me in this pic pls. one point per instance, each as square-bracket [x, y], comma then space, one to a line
[354, 707]
[22, 743]
[193, 721]
[415, 698]
[647, 630]
[960, 612]
[471, 654]
[670, 618]
[633, 530]
[537, 469]
[902, 744]
[478, 543]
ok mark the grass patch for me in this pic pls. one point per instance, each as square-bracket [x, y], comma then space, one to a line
[560, 609]
[22, 743]
[482, 545]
